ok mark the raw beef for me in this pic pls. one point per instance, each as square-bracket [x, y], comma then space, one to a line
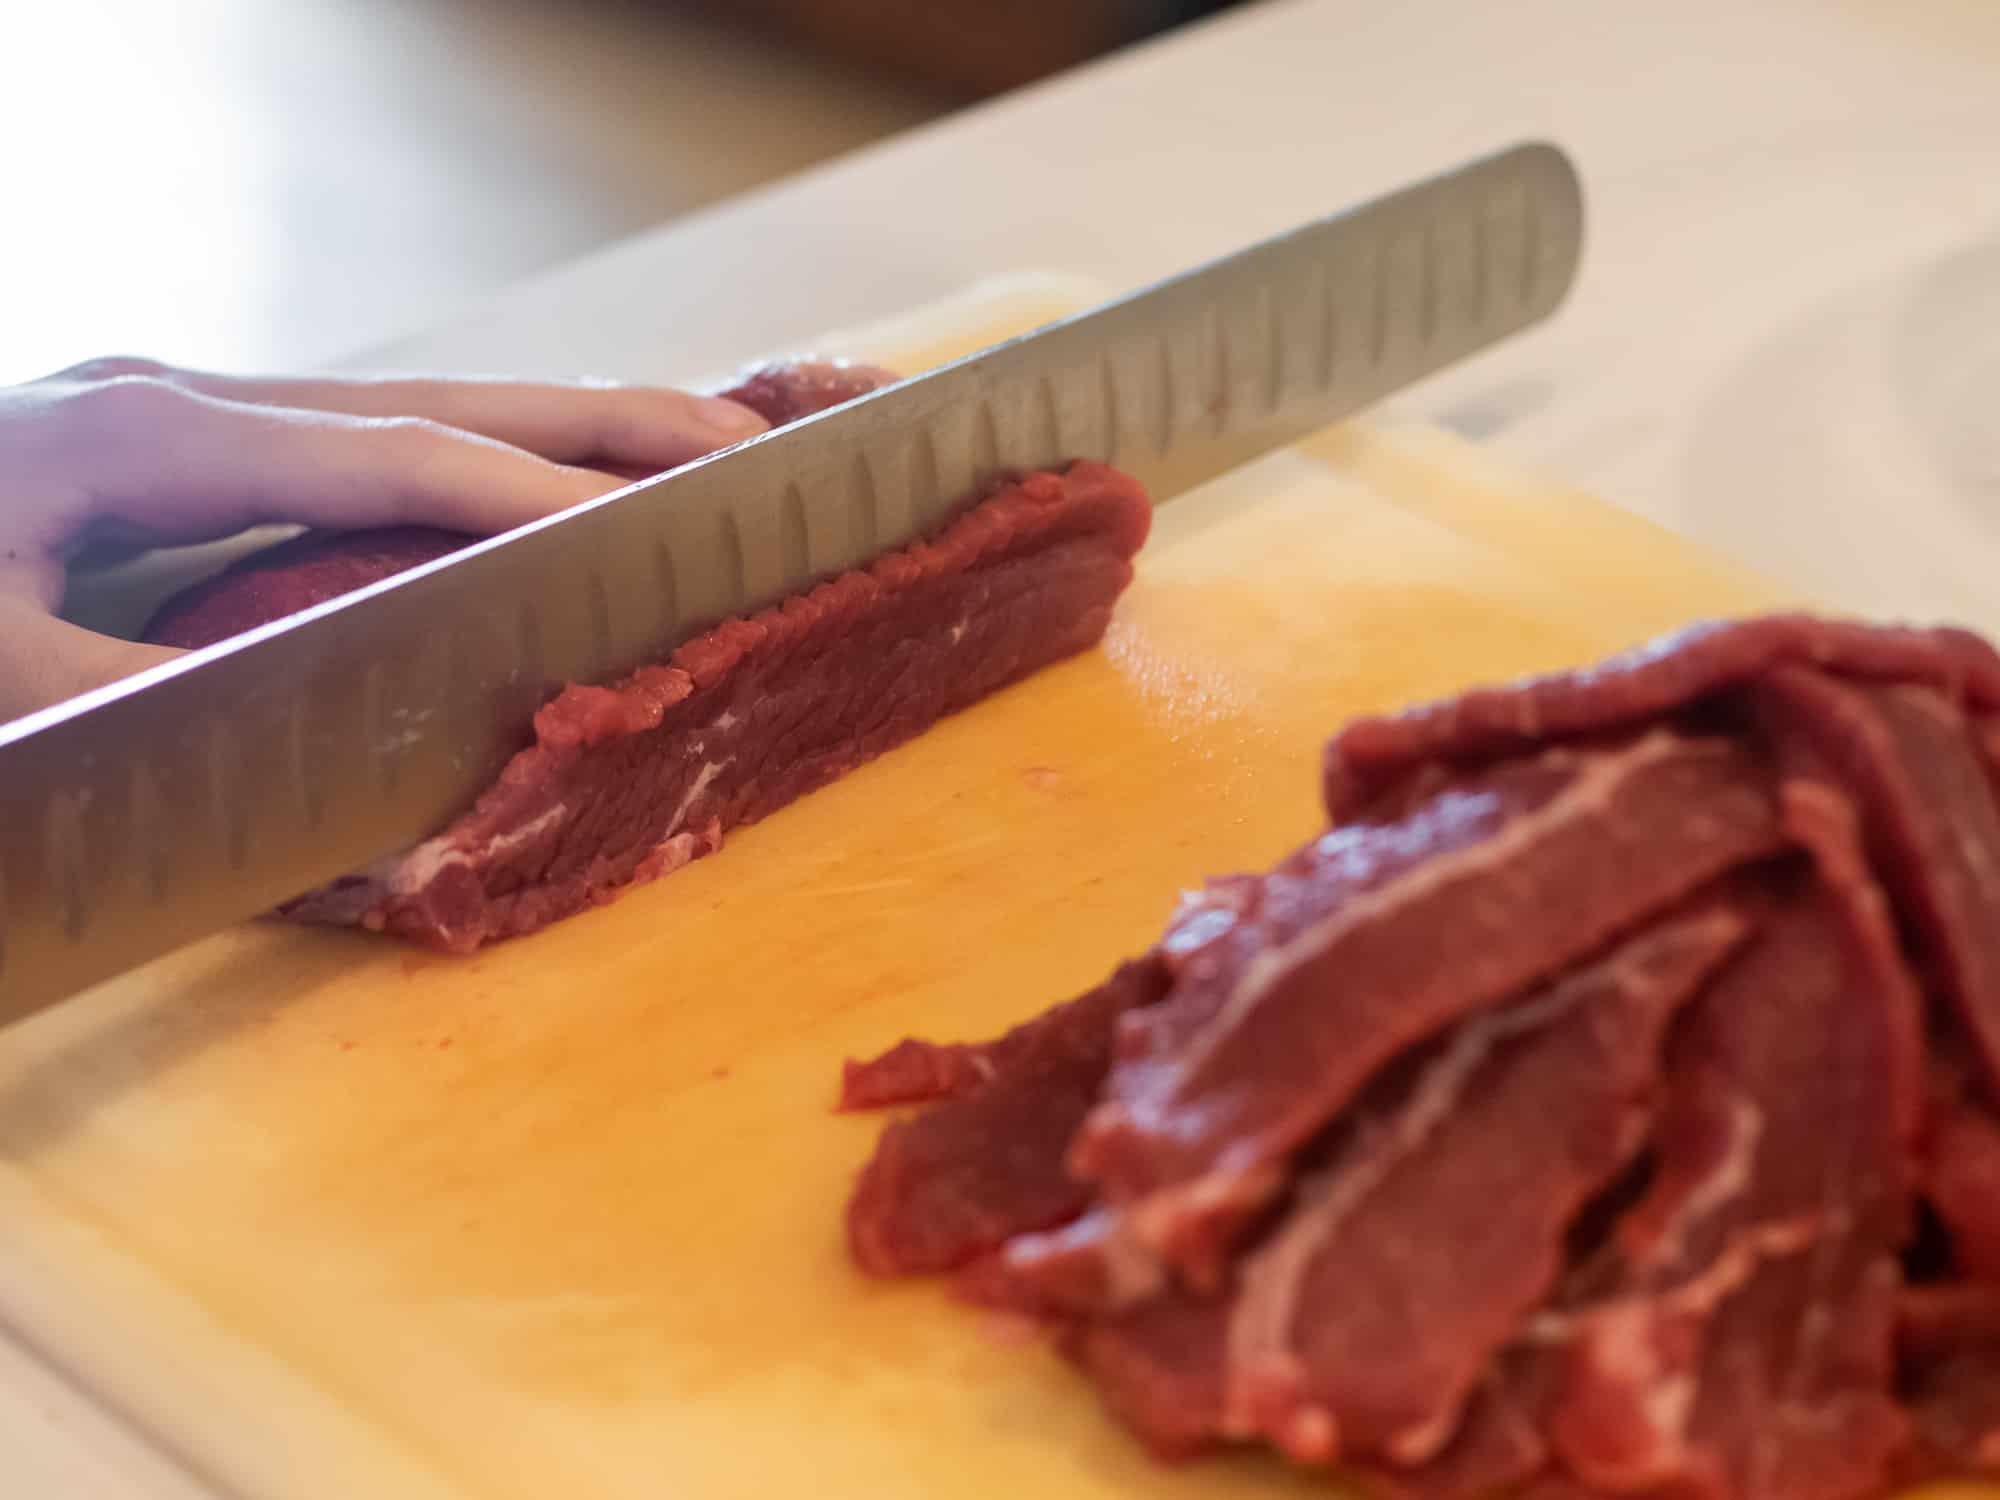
[1937, 1318]
[785, 391]
[1759, 1275]
[1347, 1336]
[1529, 867]
[1956, 1406]
[292, 576]
[1961, 1169]
[1604, 1104]
[1949, 1342]
[1499, 1447]
[917, 1072]
[987, 1164]
[1927, 807]
[627, 782]
[1161, 1367]
[1664, 676]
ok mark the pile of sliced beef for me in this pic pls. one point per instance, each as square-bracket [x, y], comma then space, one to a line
[1608, 1101]
[624, 782]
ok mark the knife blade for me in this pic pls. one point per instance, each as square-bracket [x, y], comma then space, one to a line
[192, 796]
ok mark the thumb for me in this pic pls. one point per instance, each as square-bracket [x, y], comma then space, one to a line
[45, 661]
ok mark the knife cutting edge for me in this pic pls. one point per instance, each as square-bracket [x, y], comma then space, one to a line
[164, 807]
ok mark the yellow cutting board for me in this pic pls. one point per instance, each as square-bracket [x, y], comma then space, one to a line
[331, 1218]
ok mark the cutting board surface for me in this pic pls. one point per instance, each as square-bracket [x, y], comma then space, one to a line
[334, 1218]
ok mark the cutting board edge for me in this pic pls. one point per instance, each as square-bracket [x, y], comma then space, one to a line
[193, 1424]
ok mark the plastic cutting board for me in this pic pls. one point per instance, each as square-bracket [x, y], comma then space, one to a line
[332, 1219]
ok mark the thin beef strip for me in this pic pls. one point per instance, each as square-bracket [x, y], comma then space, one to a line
[1961, 1178]
[1161, 1368]
[1367, 1317]
[1937, 1318]
[1748, 1347]
[1948, 1336]
[1651, 681]
[986, 1164]
[1499, 1448]
[1885, 706]
[1905, 754]
[919, 1072]
[629, 782]
[1955, 1404]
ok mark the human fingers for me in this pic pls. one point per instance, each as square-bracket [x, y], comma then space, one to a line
[44, 660]
[627, 427]
[167, 464]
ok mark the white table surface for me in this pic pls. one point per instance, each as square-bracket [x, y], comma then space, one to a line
[1785, 342]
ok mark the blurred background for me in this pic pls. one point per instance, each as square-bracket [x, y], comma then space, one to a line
[262, 184]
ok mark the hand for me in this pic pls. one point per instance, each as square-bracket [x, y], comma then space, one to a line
[129, 452]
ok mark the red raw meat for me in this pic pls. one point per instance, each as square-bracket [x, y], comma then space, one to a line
[1747, 1347]
[1161, 1368]
[1962, 1180]
[785, 391]
[1906, 755]
[1408, 1162]
[1956, 1406]
[1949, 1339]
[916, 1072]
[1499, 1447]
[1935, 1319]
[293, 576]
[1659, 678]
[626, 783]
[1350, 1337]
[965, 1176]
[1529, 868]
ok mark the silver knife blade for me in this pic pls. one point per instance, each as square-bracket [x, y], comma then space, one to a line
[162, 808]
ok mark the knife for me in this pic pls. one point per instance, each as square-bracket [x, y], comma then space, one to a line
[150, 812]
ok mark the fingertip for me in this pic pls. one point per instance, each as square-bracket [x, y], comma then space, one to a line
[581, 482]
[45, 661]
[728, 421]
